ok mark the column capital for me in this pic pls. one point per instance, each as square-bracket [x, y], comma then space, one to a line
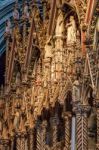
[31, 130]
[53, 120]
[82, 109]
[97, 146]
[20, 134]
[84, 27]
[4, 141]
[12, 137]
[44, 124]
[67, 115]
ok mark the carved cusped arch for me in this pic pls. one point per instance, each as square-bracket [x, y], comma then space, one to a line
[67, 88]
[70, 8]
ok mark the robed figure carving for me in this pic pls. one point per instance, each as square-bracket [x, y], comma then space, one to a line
[71, 31]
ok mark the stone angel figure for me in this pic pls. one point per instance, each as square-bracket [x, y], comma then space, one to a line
[71, 31]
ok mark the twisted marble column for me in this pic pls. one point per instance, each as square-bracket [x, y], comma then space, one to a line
[21, 141]
[38, 147]
[43, 143]
[54, 131]
[67, 118]
[18, 140]
[97, 113]
[41, 135]
[82, 127]
[97, 146]
[4, 144]
[31, 139]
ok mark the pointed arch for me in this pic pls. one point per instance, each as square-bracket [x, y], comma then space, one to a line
[73, 8]
[68, 87]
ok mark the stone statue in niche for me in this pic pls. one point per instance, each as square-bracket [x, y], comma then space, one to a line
[59, 24]
[76, 91]
[71, 30]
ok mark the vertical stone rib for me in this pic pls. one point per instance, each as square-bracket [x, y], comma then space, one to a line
[11, 61]
[52, 17]
[7, 58]
[29, 47]
[24, 33]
